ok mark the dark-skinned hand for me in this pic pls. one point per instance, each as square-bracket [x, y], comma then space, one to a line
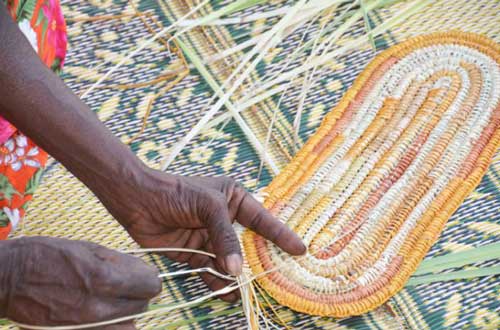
[53, 281]
[196, 213]
[157, 209]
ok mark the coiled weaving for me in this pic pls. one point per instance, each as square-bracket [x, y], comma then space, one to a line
[371, 190]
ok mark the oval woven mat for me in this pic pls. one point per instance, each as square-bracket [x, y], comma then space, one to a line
[371, 190]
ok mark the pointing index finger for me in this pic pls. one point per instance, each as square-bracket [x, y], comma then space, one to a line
[253, 215]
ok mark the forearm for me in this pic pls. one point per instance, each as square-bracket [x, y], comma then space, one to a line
[37, 102]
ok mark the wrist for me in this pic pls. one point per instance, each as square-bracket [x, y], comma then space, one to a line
[109, 175]
[122, 192]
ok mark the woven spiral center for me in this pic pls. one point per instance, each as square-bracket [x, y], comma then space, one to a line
[370, 192]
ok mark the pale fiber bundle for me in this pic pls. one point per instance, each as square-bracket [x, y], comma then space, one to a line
[371, 190]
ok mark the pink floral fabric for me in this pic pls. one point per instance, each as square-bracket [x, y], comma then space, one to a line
[21, 161]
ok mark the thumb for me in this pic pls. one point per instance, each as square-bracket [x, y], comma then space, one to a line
[224, 239]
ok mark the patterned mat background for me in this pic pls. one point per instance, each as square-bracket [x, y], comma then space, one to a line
[63, 207]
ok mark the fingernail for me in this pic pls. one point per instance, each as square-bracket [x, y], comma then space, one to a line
[304, 247]
[234, 263]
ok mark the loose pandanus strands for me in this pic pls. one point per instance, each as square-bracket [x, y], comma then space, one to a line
[459, 259]
[368, 28]
[274, 36]
[456, 275]
[269, 86]
[317, 48]
[274, 85]
[131, 54]
[211, 81]
[242, 71]
[233, 112]
[479, 254]
[265, 42]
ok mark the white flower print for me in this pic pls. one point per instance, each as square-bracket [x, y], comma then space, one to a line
[16, 155]
[29, 33]
[13, 215]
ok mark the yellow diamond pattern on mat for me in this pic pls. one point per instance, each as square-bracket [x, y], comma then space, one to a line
[453, 307]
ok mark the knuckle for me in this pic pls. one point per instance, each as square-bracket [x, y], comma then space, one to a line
[214, 203]
[205, 207]
[229, 186]
[229, 238]
[217, 227]
[256, 220]
[239, 186]
[229, 182]
[98, 310]
[237, 197]
[239, 191]
[277, 232]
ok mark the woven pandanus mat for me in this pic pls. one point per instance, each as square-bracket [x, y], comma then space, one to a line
[63, 207]
[371, 190]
